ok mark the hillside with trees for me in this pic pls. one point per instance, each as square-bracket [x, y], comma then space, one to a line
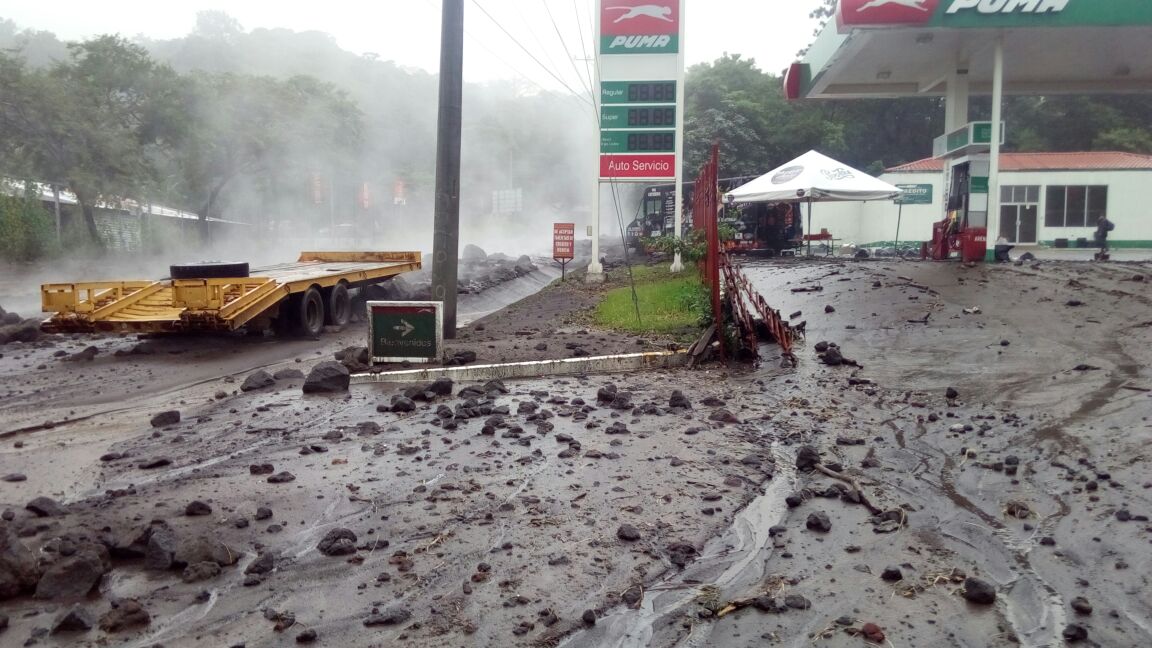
[285, 131]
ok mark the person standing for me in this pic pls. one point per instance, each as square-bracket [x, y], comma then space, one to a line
[1103, 226]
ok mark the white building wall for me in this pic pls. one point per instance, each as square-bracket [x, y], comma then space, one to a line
[1129, 207]
[875, 222]
[1129, 202]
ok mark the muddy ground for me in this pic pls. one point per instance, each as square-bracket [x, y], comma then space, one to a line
[550, 512]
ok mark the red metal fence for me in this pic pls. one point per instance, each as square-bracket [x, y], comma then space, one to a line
[725, 280]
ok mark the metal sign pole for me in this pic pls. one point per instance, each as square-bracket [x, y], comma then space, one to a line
[809, 225]
[899, 217]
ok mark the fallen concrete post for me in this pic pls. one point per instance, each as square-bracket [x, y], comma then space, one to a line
[564, 367]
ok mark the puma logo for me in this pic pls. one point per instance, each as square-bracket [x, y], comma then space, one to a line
[651, 11]
[911, 4]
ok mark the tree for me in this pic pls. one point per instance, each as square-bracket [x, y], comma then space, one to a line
[263, 130]
[93, 124]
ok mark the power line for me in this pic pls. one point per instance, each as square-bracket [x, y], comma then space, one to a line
[567, 53]
[510, 66]
[530, 55]
[583, 47]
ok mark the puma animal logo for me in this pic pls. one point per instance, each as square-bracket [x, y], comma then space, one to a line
[911, 4]
[651, 11]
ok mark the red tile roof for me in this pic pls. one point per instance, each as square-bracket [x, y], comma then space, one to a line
[1084, 161]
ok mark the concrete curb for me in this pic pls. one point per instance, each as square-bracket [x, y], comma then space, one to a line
[536, 369]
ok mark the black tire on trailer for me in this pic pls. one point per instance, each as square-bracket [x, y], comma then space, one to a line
[309, 313]
[209, 270]
[338, 305]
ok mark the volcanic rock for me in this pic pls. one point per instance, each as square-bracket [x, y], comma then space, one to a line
[203, 549]
[797, 602]
[807, 458]
[402, 404]
[628, 533]
[1074, 632]
[45, 507]
[125, 613]
[979, 591]
[257, 380]
[197, 508]
[164, 419]
[338, 542]
[892, 574]
[161, 548]
[74, 576]
[19, 570]
[201, 571]
[1082, 606]
[819, 522]
[723, 416]
[288, 374]
[75, 619]
[607, 393]
[263, 564]
[328, 377]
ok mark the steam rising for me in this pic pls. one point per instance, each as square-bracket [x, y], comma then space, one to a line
[368, 187]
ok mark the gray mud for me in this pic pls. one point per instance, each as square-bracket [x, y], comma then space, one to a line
[509, 538]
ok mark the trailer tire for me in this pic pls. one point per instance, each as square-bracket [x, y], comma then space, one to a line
[308, 315]
[339, 305]
[209, 270]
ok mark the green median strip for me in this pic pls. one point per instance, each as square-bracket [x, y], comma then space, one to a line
[672, 304]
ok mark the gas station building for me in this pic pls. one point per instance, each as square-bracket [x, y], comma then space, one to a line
[957, 49]
[1046, 199]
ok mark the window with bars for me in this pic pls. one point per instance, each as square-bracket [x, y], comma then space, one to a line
[1075, 205]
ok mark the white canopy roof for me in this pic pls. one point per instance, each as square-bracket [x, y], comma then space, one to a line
[819, 177]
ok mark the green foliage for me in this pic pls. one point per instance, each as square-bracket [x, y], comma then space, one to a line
[692, 247]
[27, 230]
[669, 304]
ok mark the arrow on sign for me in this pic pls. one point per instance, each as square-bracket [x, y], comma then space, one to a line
[405, 327]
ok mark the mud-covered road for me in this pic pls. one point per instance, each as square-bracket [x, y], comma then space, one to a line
[571, 512]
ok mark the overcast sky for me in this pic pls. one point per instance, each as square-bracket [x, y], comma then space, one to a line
[408, 31]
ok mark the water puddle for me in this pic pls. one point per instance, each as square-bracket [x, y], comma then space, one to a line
[735, 562]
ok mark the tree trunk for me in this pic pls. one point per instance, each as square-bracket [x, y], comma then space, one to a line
[209, 206]
[89, 212]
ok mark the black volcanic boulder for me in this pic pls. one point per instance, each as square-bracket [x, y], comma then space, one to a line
[327, 378]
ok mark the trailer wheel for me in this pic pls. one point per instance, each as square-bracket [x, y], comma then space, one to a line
[309, 314]
[339, 306]
[208, 270]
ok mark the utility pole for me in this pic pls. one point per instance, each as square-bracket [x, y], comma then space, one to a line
[446, 229]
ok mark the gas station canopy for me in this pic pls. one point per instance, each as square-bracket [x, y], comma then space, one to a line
[903, 48]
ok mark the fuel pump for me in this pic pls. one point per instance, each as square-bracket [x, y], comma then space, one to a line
[965, 225]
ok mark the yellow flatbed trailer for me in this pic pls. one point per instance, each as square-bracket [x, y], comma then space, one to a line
[298, 297]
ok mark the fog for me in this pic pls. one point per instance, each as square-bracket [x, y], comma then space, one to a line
[298, 144]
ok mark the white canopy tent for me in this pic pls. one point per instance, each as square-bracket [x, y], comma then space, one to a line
[813, 177]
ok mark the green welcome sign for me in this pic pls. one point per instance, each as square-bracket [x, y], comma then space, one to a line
[405, 331]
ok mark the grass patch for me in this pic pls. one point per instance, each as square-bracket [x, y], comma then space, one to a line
[672, 304]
